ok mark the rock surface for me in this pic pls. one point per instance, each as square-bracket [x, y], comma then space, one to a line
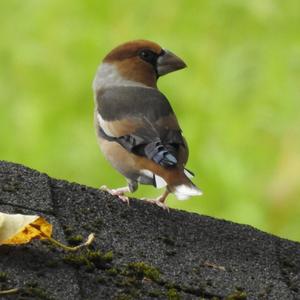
[140, 251]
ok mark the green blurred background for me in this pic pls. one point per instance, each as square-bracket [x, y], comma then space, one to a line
[238, 102]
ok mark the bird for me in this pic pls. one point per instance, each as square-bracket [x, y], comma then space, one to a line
[136, 127]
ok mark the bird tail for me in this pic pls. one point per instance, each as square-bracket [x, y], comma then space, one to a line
[187, 189]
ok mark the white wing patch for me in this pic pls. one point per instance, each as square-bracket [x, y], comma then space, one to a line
[159, 182]
[188, 174]
[146, 173]
[103, 125]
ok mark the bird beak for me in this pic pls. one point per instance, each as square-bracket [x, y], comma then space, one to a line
[169, 62]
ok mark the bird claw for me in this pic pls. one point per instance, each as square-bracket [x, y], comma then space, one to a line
[104, 188]
[123, 198]
[116, 192]
[158, 202]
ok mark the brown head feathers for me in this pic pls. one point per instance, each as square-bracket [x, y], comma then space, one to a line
[131, 49]
[142, 62]
[132, 65]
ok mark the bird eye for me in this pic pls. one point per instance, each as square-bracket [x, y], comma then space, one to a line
[144, 54]
[148, 56]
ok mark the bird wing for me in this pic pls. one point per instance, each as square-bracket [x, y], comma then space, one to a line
[142, 121]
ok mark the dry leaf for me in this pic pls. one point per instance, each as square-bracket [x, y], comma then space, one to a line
[21, 229]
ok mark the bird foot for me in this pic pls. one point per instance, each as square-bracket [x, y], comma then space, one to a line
[159, 202]
[117, 192]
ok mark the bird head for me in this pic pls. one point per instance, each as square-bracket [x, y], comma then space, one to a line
[141, 62]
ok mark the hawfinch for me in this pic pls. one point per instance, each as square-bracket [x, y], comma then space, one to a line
[137, 129]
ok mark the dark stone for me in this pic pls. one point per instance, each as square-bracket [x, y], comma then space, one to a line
[140, 252]
[24, 187]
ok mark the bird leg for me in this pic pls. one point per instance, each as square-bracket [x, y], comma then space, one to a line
[131, 187]
[118, 192]
[160, 201]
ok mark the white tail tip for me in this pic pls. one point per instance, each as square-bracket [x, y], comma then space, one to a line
[183, 191]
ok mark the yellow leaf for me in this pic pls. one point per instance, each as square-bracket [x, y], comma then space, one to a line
[21, 229]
